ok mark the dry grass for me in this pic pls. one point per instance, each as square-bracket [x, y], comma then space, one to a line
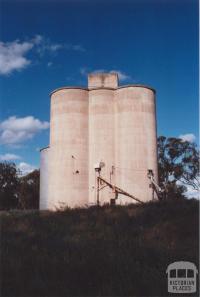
[119, 251]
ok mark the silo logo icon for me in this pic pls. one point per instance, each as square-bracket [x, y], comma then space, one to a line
[182, 277]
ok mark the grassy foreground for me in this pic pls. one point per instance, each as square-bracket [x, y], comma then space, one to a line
[118, 251]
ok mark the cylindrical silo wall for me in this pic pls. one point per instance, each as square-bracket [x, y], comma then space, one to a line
[44, 178]
[101, 140]
[68, 164]
[135, 141]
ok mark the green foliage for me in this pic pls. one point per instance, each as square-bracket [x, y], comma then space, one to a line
[9, 186]
[178, 161]
[16, 191]
[29, 190]
[106, 251]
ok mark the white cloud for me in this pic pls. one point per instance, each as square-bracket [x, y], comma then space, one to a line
[121, 75]
[188, 137]
[55, 47]
[78, 48]
[9, 157]
[49, 64]
[17, 130]
[13, 55]
[74, 47]
[25, 168]
[44, 45]
[37, 39]
[190, 191]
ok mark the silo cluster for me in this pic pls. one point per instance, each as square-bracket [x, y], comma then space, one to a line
[107, 123]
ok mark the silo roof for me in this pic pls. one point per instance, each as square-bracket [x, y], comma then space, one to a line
[44, 148]
[137, 85]
[107, 88]
[68, 87]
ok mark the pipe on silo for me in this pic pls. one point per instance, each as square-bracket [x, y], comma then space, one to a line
[135, 140]
[68, 158]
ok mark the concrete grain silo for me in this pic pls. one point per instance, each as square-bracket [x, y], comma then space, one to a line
[44, 178]
[68, 157]
[102, 123]
[135, 140]
[101, 129]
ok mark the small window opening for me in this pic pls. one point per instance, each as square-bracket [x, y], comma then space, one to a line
[173, 273]
[181, 273]
[190, 273]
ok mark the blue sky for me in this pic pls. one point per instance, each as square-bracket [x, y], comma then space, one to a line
[49, 44]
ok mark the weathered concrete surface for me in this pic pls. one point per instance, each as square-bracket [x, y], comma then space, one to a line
[135, 141]
[68, 158]
[44, 178]
[102, 80]
[101, 139]
[115, 125]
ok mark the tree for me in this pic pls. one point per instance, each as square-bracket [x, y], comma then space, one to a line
[29, 190]
[178, 162]
[9, 186]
